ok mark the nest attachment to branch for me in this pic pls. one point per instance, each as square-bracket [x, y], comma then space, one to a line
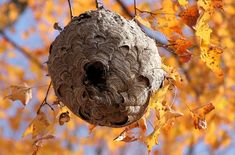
[104, 68]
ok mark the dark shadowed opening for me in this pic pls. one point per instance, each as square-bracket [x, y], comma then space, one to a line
[96, 74]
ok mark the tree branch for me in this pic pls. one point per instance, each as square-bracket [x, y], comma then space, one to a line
[23, 51]
[129, 13]
[70, 10]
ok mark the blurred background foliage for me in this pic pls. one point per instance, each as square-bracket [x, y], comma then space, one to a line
[26, 32]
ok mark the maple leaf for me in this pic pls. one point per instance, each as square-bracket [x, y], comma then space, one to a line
[173, 75]
[22, 93]
[199, 114]
[156, 99]
[152, 139]
[39, 127]
[181, 45]
[203, 31]
[212, 57]
[190, 15]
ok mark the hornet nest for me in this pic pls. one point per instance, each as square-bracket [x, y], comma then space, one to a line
[104, 67]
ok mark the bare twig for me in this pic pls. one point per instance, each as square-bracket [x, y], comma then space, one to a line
[125, 8]
[70, 10]
[154, 13]
[23, 51]
[135, 7]
[44, 102]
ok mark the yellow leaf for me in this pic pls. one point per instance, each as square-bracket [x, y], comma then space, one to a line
[212, 57]
[143, 21]
[203, 31]
[152, 139]
[39, 127]
[183, 2]
[156, 99]
[173, 75]
[20, 92]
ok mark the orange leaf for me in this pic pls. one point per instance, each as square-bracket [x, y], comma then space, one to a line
[190, 15]
[180, 45]
[199, 114]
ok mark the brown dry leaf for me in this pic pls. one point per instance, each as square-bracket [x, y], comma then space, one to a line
[57, 27]
[39, 127]
[190, 15]
[199, 114]
[22, 93]
[64, 117]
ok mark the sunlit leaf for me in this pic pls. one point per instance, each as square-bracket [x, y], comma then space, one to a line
[190, 15]
[212, 57]
[183, 2]
[143, 21]
[203, 31]
[22, 93]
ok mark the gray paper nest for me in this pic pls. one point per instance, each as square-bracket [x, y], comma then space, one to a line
[104, 67]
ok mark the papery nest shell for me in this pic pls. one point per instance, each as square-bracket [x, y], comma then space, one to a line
[104, 67]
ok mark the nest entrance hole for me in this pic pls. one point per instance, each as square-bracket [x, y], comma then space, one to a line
[96, 74]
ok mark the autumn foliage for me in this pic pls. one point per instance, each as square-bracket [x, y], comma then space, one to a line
[193, 109]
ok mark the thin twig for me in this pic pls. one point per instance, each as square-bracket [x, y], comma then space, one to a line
[45, 99]
[23, 51]
[70, 10]
[135, 7]
[125, 8]
[154, 13]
